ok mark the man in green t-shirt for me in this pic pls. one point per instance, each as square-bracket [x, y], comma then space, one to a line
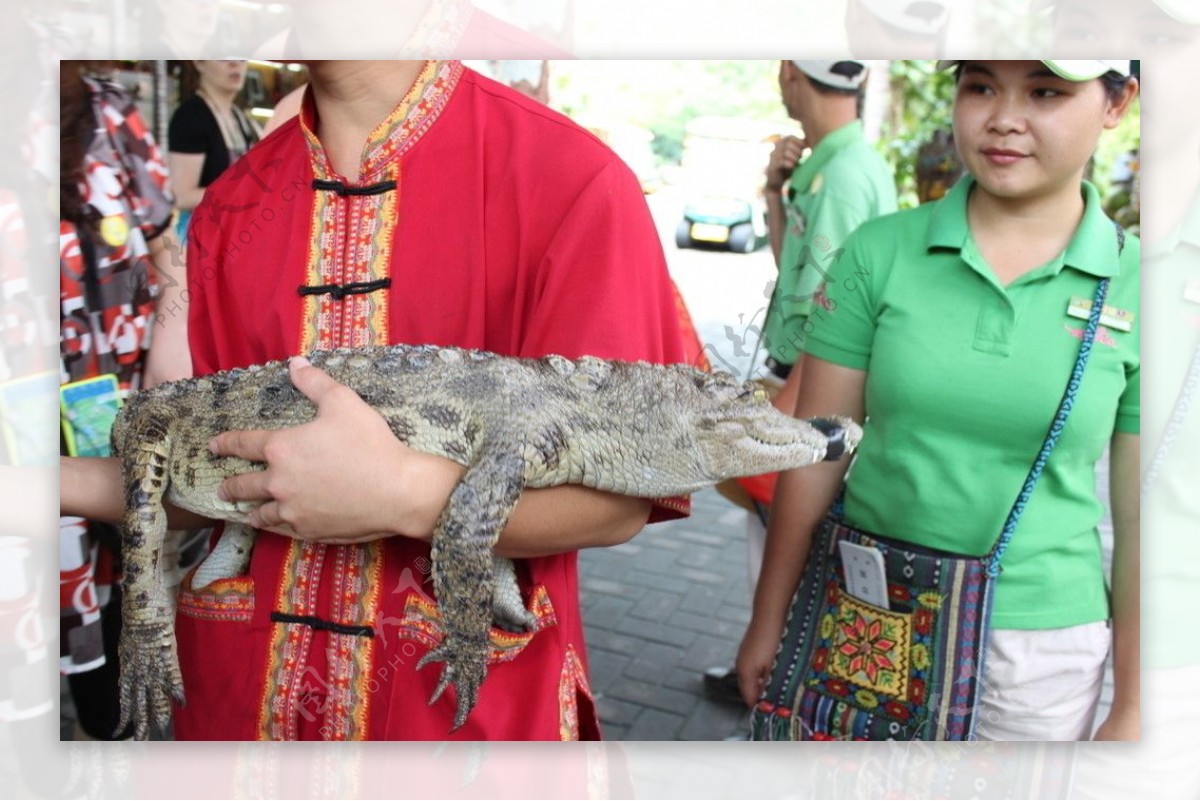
[814, 204]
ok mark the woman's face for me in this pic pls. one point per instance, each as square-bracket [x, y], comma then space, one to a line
[1024, 132]
[225, 76]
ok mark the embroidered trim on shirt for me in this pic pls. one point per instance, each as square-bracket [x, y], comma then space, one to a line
[287, 653]
[358, 576]
[422, 622]
[572, 681]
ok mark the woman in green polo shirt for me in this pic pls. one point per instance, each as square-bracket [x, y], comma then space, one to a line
[951, 330]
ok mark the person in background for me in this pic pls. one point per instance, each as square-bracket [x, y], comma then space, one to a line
[114, 209]
[208, 132]
[813, 205]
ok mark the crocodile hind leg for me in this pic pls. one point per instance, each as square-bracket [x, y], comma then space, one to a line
[229, 557]
[149, 662]
[477, 512]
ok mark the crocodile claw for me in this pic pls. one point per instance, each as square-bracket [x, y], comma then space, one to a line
[465, 670]
[150, 678]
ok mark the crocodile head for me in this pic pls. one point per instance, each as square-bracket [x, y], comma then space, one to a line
[739, 432]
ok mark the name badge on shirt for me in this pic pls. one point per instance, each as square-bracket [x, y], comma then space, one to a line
[1110, 316]
[1191, 292]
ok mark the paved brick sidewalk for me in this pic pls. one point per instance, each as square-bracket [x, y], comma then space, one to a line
[659, 611]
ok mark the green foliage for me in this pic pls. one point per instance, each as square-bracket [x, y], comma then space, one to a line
[921, 104]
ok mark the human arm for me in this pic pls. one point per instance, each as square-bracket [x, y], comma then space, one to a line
[169, 358]
[185, 178]
[783, 162]
[802, 497]
[383, 488]
[1123, 721]
[91, 487]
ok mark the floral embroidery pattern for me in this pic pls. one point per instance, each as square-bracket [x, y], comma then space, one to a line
[870, 647]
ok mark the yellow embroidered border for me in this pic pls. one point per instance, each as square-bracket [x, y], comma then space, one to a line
[290, 642]
[358, 571]
[422, 622]
[572, 681]
[229, 599]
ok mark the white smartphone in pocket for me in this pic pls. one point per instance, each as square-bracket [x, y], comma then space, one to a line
[866, 578]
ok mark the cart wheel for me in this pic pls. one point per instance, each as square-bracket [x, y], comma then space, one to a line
[683, 235]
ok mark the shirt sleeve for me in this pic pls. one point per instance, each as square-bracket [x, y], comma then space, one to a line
[1129, 407]
[841, 328]
[603, 287]
[831, 219]
[188, 131]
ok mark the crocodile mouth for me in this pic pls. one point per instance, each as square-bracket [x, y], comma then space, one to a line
[764, 444]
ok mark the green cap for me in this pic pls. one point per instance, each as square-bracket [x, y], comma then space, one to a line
[1072, 70]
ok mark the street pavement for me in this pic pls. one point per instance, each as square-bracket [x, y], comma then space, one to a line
[658, 611]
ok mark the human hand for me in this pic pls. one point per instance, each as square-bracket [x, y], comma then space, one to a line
[344, 477]
[755, 657]
[783, 161]
[1122, 723]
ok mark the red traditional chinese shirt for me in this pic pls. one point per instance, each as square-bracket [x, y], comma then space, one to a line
[480, 219]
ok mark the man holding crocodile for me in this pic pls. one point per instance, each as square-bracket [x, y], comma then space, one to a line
[425, 235]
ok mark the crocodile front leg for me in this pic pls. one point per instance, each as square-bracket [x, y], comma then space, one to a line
[477, 512]
[230, 557]
[508, 608]
[149, 660]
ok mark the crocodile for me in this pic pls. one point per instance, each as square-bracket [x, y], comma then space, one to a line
[632, 428]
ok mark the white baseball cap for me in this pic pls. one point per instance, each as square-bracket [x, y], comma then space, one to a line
[924, 17]
[844, 74]
[1072, 70]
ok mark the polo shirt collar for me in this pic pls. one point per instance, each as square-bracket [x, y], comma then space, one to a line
[825, 150]
[405, 125]
[1092, 249]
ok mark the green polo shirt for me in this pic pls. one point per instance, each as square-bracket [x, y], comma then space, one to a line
[842, 184]
[1171, 503]
[964, 377]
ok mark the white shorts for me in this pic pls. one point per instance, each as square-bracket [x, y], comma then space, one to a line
[1042, 684]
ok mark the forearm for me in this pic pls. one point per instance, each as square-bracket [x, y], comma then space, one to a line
[1126, 584]
[169, 358]
[567, 518]
[189, 198]
[91, 488]
[802, 497]
[776, 222]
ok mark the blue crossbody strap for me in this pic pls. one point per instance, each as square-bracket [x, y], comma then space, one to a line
[992, 560]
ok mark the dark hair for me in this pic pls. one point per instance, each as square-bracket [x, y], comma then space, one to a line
[826, 89]
[1114, 82]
